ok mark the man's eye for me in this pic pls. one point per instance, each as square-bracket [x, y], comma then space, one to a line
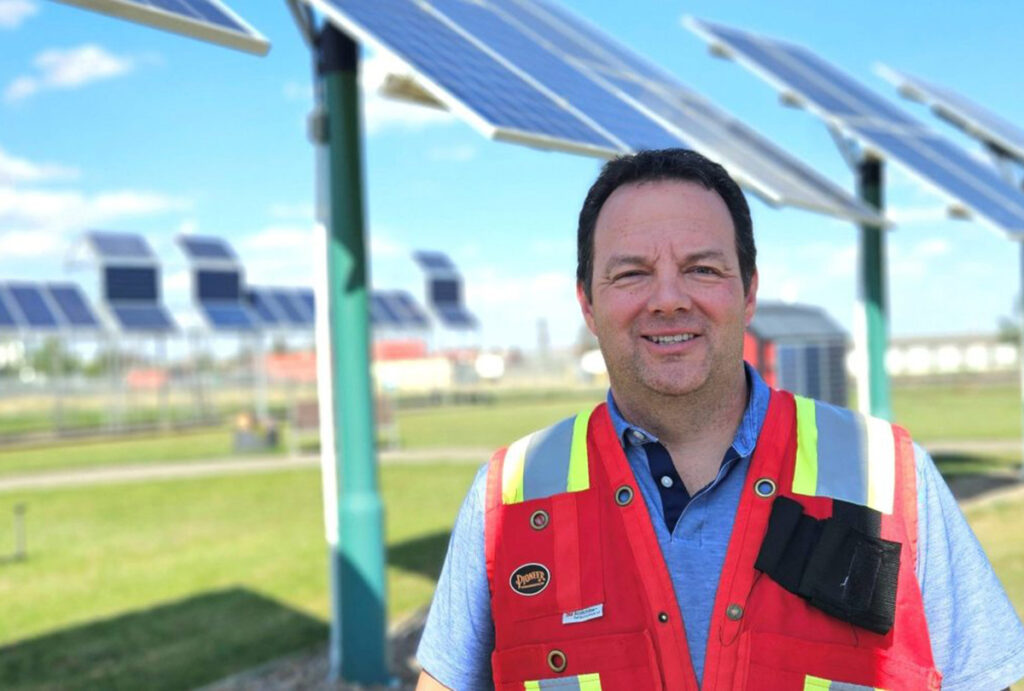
[706, 270]
[633, 273]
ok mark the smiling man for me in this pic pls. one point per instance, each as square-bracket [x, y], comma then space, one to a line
[699, 530]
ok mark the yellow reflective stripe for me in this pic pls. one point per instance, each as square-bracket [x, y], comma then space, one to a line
[531, 685]
[590, 682]
[805, 474]
[881, 450]
[816, 683]
[579, 469]
[512, 471]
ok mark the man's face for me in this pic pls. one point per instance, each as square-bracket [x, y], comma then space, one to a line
[668, 306]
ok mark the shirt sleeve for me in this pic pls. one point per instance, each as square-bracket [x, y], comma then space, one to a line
[976, 636]
[458, 638]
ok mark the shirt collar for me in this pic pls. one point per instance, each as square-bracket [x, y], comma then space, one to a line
[746, 434]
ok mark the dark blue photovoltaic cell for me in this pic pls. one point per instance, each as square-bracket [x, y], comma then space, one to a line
[474, 78]
[455, 317]
[72, 305]
[287, 307]
[413, 313]
[433, 261]
[228, 316]
[29, 300]
[206, 248]
[119, 245]
[129, 283]
[308, 300]
[606, 110]
[881, 125]
[444, 291]
[385, 312]
[142, 317]
[6, 318]
[218, 285]
[262, 304]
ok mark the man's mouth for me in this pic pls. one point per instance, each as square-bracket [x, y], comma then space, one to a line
[668, 340]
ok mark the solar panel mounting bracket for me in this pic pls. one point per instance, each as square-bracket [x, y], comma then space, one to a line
[404, 87]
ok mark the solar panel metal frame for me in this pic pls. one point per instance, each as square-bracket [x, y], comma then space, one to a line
[250, 40]
[817, 192]
[707, 31]
[956, 109]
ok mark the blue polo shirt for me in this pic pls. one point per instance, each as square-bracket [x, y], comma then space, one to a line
[977, 637]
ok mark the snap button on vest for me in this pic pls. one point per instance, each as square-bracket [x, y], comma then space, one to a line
[624, 495]
[539, 519]
[557, 661]
[663, 617]
[734, 612]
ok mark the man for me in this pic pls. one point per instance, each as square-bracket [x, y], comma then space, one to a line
[779, 543]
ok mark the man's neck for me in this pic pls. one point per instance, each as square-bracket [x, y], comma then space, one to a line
[696, 428]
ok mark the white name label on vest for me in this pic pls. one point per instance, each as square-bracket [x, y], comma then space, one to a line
[585, 614]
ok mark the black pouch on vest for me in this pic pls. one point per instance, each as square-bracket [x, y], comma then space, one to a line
[840, 564]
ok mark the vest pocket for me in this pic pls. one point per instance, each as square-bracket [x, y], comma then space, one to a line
[784, 663]
[620, 661]
[554, 569]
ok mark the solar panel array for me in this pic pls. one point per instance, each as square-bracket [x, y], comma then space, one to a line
[26, 306]
[846, 103]
[206, 248]
[527, 71]
[130, 282]
[208, 20]
[961, 111]
[444, 290]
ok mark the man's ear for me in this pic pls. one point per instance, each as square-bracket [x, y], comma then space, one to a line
[751, 300]
[585, 307]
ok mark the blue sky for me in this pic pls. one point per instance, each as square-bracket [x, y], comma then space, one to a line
[106, 124]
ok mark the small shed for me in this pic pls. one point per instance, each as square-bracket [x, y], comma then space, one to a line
[799, 348]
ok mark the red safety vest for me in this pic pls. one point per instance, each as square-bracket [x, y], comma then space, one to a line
[581, 597]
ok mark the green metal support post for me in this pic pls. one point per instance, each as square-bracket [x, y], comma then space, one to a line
[872, 289]
[358, 626]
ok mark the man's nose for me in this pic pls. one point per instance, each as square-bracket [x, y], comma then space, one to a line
[669, 294]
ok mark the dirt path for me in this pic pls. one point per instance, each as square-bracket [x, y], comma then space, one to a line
[221, 466]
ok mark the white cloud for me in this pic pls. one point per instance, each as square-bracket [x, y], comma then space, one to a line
[301, 211]
[189, 226]
[381, 245]
[278, 255]
[68, 68]
[14, 12]
[13, 170]
[297, 91]
[37, 222]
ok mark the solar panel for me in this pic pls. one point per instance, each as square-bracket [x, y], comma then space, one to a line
[6, 317]
[433, 261]
[72, 305]
[412, 313]
[129, 283]
[147, 317]
[525, 71]
[382, 315]
[119, 246]
[960, 111]
[218, 285]
[308, 300]
[261, 303]
[293, 313]
[846, 103]
[228, 316]
[208, 20]
[28, 299]
[444, 291]
[455, 317]
[206, 248]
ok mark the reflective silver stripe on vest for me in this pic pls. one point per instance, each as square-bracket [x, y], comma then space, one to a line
[546, 465]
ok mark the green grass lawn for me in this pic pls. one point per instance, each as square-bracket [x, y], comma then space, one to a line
[958, 412]
[234, 565]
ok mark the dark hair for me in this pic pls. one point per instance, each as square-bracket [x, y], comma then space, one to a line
[657, 165]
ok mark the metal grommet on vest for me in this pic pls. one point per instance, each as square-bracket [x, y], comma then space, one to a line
[539, 519]
[624, 495]
[663, 617]
[734, 612]
[764, 487]
[557, 661]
